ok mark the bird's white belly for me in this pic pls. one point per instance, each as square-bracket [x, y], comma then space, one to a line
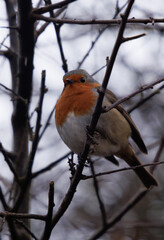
[73, 132]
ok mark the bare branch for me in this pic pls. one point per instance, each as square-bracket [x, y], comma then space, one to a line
[38, 124]
[159, 152]
[47, 122]
[140, 224]
[2, 223]
[51, 7]
[97, 21]
[48, 226]
[59, 41]
[84, 177]
[118, 9]
[41, 30]
[27, 229]
[101, 204]
[14, 93]
[50, 166]
[3, 200]
[9, 163]
[139, 196]
[142, 101]
[133, 94]
[5, 53]
[125, 39]
[22, 215]
[45, 25]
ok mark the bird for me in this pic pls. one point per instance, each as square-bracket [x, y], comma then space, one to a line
[73, 113]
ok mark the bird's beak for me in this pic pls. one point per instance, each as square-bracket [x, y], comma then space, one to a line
[69, 81]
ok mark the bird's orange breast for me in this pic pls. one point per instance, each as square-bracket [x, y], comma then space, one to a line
[75, 98]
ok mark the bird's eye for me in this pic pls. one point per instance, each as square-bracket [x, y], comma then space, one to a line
[82, 79]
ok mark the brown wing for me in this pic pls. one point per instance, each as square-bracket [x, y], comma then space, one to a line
[135, 133]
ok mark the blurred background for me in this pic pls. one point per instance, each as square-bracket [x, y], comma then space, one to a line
[138, 62]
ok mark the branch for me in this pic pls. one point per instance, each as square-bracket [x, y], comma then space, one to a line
[97, 21]
[3, 200]
[38, 123]
[125, 39]
[41, 30]
[14, 93]
[51, 7]
[142, 101]
[57, 30]
[47, 122]
[159, 152]
[9, 163]
[5, 53]
[44, 26]
[118, 10]
[22, 215]
[27, 229]
[141, 224]
[132, 95]
[77, 176]
[48, 226]
[101, 204]
[118, 217]
[50, 166]
[84, 177]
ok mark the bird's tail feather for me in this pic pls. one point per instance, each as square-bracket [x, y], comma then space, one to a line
[145, 176]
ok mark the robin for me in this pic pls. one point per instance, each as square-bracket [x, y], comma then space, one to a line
[73, 114]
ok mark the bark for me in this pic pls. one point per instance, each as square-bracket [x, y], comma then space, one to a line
[21, 64]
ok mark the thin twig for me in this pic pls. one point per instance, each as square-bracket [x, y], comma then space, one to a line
[118, 10]
[3, 200]
[38, 123]
[142, 101]
[2, 223]
[126, 39]
[140, 224]
[23, 215]
[84, 177]
[133, 94]
[119, 216]
[14, 93]
[9, 163]
[45, 25]
[27, 229]
[96, 186]
[158, 154]
[59, 41]
[51, 7]
[41, 30]
[50, 166]
[48, 226]
[47, 122]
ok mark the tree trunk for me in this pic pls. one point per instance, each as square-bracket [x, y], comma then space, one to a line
[21, 64]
